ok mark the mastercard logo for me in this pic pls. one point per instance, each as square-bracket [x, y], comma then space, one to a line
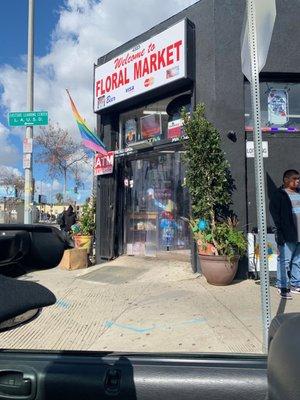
[149, 82]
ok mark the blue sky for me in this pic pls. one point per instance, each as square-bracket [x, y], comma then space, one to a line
[13, 46]
[13, 27]
[69, 37]
[12, 50]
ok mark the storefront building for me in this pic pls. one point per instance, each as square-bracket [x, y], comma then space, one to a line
[139, 90]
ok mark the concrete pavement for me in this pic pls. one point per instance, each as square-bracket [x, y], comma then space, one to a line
[142, 304]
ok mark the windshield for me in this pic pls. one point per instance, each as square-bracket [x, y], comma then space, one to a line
[181, 229]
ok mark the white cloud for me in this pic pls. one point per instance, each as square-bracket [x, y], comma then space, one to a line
[43, 187]
[86, 30]
[85, 169]
[57, 186]
[6, 170]
[48, 189]
[8, 152]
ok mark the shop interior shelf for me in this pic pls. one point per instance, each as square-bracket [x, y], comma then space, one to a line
[142, 230]
[144, 215]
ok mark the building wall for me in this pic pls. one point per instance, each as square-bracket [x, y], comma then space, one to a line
[220, 83]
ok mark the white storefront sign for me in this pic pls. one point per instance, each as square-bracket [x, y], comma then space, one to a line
[149, 65]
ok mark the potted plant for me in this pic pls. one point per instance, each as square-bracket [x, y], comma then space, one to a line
[84, 230]
[214, 227]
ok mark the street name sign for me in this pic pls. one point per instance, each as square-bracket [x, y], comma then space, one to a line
[28, 118]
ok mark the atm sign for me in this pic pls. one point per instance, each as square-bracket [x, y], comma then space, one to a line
[104, 163]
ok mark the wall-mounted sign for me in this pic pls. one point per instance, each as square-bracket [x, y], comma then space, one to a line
[278, 107]
[130, 131]
[250, 149]
[149, 65]
[150, 126]
[175, 128]
[104, 164]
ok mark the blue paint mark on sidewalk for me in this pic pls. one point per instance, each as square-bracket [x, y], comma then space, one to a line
[110, 324]
[136, 329]
[62, 303]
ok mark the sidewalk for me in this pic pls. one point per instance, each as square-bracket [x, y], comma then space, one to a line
[141, 304]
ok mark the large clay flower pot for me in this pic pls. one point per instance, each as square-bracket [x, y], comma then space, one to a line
[83, 242]
[218, 270]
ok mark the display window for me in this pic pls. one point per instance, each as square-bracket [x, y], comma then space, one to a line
[153, 122]
[280, 107]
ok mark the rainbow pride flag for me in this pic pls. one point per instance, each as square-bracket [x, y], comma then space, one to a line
[89, 139]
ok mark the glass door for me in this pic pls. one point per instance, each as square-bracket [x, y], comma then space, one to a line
[157, 204]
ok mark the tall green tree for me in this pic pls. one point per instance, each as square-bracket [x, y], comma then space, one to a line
[207, 175]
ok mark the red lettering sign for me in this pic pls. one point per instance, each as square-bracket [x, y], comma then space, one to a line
[148, 65]
[104, 163]
[112, 82]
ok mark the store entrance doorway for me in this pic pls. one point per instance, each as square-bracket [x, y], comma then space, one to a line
[157, 207]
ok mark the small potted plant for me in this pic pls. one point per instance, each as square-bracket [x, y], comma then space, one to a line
[220, 243]
[84, 230]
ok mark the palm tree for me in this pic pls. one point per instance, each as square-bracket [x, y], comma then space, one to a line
[59, 197]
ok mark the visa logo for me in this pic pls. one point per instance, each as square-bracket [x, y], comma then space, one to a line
[129, 89]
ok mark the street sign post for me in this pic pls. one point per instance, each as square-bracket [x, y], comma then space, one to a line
[256, 39]
[28, 118]
[28, 192]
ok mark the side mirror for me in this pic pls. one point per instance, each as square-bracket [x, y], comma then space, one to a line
[30, 246]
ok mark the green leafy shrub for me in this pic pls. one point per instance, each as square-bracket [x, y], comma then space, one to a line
[210, 185]
[87, 219]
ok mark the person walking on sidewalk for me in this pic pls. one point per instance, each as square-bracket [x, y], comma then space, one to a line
[285, 211]
[69, 217]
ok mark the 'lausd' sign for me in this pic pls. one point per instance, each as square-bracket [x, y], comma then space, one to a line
[149, 65]
[104, 163]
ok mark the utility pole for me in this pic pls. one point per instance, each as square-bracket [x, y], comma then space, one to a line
[29, 129]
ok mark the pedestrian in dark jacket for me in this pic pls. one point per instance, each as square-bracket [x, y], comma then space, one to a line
[285, 211]
[60, 220]
[69, 218]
